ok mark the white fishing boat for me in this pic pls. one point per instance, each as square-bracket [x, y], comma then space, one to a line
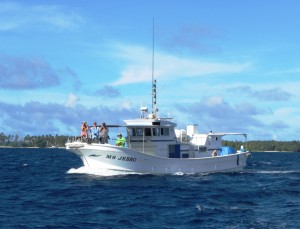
[154, 146]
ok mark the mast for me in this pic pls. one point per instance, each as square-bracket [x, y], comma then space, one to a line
[153, 80]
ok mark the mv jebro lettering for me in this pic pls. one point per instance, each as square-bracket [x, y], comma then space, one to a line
[121, 158]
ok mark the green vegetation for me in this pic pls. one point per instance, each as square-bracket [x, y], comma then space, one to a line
[60, 140]
[33, 141]
[260, 146]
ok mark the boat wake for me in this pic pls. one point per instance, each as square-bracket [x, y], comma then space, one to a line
[278, 172]
[272, 171]
[108, 173]
[99, 172]
[189, 174]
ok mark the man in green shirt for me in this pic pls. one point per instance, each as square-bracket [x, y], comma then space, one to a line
[120, 140]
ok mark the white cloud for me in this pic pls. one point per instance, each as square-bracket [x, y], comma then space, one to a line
[16, 15]
[270, 94]
[285, 112]
[217, 114]
[42, 118]
[20, 73]
[167, 67]
[214, 101]
[71, 100]
[126, 105]
[284, 71]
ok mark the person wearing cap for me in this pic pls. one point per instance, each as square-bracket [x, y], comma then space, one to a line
[84, 129]
[120, 140]
[242, 149]
[94, 132]
[103, 133]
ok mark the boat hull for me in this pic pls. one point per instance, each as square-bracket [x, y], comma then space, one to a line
[109, 157]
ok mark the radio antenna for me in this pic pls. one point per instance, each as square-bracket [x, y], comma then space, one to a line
[153, 80]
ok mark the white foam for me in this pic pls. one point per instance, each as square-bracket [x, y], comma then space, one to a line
[98, 172]
[184, 174]
[278, 172]
[200, 207]
[266, 162]
[178, 173]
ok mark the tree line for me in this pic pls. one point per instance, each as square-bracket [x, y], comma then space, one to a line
[44, 141]
[261, 146]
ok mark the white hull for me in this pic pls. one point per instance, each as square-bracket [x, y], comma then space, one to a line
[109, 157]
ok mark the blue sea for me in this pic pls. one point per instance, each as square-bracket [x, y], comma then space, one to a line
[48, 188]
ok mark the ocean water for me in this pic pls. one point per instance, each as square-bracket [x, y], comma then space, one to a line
[49, 188]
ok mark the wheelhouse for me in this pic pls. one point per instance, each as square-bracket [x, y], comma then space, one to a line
[155, 135]
[149, 131]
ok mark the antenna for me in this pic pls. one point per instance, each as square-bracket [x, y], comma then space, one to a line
[153, 80]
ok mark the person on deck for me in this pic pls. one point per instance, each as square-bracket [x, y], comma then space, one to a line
[94, 132]
[84, 130]
[120, 140]
[242, 149]
[103, 134]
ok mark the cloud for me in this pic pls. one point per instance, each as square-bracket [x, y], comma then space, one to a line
[36, 118]
[108, 91]
[274, 94]
[167, 67]
[292, 71]
[279, 125]
[218, 115]
[20, 73]
[14, 15]
[68, 73]
[71, 101]
[190, 39]
[287, 111]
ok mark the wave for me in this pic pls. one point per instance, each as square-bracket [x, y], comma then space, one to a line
[99, 172]
[276, 171]
[107, 173]
[265, 162]
[219, 207]
[273, 171]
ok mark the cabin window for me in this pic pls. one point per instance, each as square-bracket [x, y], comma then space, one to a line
[156, 131]
[147, 132]
[165, 131]
[139, 132]
[202, 149]
[132, 132]
[174, 151]
[185, 155]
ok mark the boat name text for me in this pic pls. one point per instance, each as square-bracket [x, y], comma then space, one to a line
[121, 158]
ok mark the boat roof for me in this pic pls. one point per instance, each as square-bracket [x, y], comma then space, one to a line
[223, 134]
[144, 122]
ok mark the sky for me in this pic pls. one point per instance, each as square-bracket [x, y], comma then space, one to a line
[228, 66]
